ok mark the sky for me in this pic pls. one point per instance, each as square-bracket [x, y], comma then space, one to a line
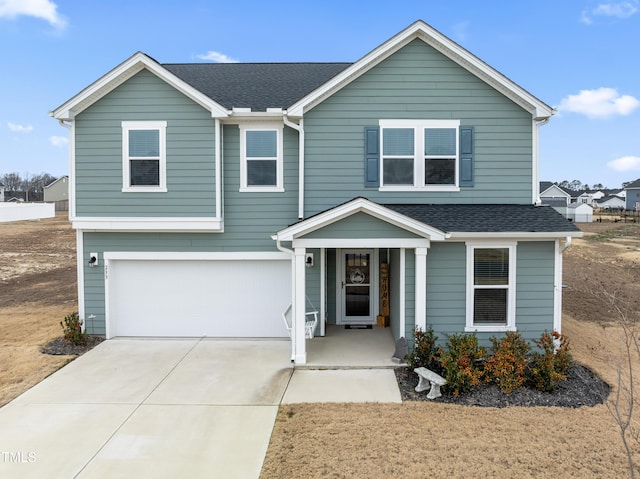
[579, 56]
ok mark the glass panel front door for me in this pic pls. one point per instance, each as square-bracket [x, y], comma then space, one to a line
[356, 286]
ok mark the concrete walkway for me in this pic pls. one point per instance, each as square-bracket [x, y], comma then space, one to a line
[167, 408]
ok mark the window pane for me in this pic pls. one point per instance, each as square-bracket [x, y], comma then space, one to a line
[398, 172]
[262, 144]
[440, 172]
[491, 266]
[440, 141]
[261, 173]
[357, 301]
[490, 306]
[397, 141]
[144, 172]
[144, 143]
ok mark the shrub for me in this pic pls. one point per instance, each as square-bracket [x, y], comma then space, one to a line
[425, 351]
[551, 363]
[462, 362]
[72, 329]
[507, 365]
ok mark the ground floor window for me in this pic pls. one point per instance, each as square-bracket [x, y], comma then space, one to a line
[491, 272]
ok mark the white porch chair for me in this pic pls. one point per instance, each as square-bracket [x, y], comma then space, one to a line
[310, 320]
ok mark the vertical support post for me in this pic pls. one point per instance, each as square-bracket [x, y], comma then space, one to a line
[298, 330]
[421, 288]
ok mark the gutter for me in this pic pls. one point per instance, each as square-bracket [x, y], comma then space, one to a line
[300, 129]
[293, 291]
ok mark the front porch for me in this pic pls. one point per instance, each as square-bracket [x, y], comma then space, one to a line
[342, 348]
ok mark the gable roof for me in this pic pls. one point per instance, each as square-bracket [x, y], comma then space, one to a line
[122, 73]
[547, 185]
[257, 86]
[446, 46]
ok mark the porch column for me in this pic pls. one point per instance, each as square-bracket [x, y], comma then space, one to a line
[298, 333]
[421, 288]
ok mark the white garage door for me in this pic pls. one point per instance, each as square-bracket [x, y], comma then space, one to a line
[195, 298]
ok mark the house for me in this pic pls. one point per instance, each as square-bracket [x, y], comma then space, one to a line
[580, 213]
[555, 196]
[632, 192]
[57, 192]
[611, 202]
[1, 192]
[208, 198]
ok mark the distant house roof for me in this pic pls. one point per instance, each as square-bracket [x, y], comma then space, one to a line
[487, 218]
[256, 85]
[583, 206]
[635, 184]
[545, 185]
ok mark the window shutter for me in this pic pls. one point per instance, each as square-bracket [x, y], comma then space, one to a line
[466, 156]
[371, 156]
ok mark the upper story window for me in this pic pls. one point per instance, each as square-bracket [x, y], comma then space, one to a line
[144, 156]
[491, 287]
[420, 154]
[261, 158]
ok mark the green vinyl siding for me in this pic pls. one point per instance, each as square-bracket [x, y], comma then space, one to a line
[190, 153]
[417, 82]
[360, 225]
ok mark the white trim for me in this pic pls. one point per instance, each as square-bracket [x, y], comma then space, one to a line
[323, 290]
[362, 243]
[355, 206]
[156, 224]
[279, 158]
[441, 43]
[402, 293]
[194, 256]
[219, 172]
[161, 127]
[298, 335]
[374, 284]
[80, 271]
[72, 170]
[519, 236]
[122, 73]
[557, 288]
[419, 157]
[421, 288]
[511, 287]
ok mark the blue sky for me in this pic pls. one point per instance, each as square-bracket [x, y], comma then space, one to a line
[579, 56]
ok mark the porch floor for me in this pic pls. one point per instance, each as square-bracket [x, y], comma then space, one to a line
[351, 348]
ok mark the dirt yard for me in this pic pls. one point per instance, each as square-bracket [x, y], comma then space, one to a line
[412, 440]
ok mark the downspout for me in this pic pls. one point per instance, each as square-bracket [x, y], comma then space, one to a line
[567, 243]
[537, 123]
[219, 173]
[293, 292]
[300, 129]
[557, 316]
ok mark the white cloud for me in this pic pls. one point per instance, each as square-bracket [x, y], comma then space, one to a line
[44, 9]
[599, 103]
[216, 57]
[460, 31]
[59, 140]
[20, 128]
[612, 9]
[626, 163]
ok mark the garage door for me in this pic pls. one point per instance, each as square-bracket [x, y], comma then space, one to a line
[195, 298]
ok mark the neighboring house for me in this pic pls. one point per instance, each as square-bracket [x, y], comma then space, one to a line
[632, 192]
[553, 195]
[611, 202]
[1, 192]
[213, 196]
[58, 192]
[580, 213]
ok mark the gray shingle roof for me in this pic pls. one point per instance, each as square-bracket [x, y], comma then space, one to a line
[488, 218]
[635, 184]
[256, 85]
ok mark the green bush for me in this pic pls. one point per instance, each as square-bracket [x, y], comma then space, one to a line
[551, 363]
[72, 329]
[462, 362]
[507, 365]
[424, 352]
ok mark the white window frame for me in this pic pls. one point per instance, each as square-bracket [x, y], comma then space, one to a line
[279, 158]
[511, 288]
[419, 157]
[161, 126]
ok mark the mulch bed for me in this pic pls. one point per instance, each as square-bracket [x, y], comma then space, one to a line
[581, 388]
[60, 347]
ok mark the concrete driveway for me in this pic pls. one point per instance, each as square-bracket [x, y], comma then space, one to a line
[167, 408]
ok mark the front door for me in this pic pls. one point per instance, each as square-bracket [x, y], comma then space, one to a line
[357, 286]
